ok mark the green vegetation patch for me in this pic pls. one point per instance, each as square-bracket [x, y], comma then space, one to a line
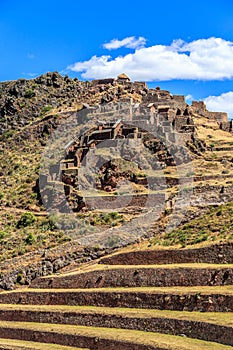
[216, 224]
[21, 233]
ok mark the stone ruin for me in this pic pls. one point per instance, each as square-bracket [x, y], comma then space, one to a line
[169, 114]
[173, 107]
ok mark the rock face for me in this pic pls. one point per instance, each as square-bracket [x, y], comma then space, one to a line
[23, 270]
[24, 101]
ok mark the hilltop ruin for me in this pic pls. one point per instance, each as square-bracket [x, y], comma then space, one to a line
[168, 115]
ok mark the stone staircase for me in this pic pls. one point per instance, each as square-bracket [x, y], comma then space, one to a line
[175, 300]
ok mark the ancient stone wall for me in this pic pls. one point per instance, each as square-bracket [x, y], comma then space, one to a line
[103, 81]
[93, 342]
[140, 277]
[190, 301]
[179, 98]
[199, 106]
[113, 202]
[217, 116]
[192, 329]
[180, 121]
[214, 254]
[139, 85]
[226, 126]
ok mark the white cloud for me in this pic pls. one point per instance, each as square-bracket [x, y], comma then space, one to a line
[222, 103]
[203, 59]
[31, 75]
[130, 42]
[189, 98]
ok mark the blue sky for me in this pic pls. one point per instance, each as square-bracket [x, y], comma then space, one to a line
[185, 47]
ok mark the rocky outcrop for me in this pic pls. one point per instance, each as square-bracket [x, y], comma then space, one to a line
[23, 270]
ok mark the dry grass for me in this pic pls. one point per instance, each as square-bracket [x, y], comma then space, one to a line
[212, 132]
[14, 344]
[163, 341]
[200, 290]
[218, 318]
[96, 267]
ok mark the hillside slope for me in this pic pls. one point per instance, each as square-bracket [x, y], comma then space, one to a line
[31, 110]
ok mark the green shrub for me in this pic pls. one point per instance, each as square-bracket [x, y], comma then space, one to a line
[2, 234]
[29, 93]
[48, 224]
[26, 219]
[45, 109]
[112, 219]
[30, 239]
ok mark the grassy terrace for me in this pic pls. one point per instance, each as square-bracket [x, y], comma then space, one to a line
[132, 267]
[88, 268]
[203, 290]
[24, 345]
[156, 340]
[212, 132]
[220, 318]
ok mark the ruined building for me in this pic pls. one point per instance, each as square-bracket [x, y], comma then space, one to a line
[169, 114]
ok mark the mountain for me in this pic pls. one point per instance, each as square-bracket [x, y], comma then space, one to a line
[89, 167]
